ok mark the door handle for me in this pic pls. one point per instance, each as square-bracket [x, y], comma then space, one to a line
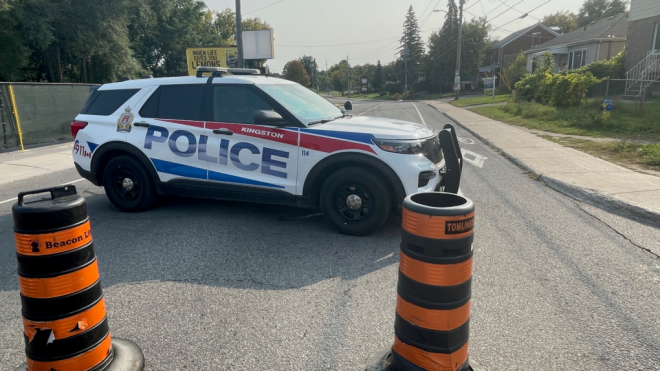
[223, 131]
[142, 124]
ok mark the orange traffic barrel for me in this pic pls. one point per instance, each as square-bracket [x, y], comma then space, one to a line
[432, 319]
[65, 326]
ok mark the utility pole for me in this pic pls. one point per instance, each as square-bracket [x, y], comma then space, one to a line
[239, 34]
[327, 78]
[458, 47]
[348, 78]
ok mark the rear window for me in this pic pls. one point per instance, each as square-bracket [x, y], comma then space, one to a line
[106, 102]
[178, 102]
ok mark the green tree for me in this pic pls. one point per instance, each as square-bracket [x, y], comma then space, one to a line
[338, 80]
[295, 71]
[14, 55]
[75, 40]
[593, 10]
[514, 72]
[310, 67]
[377, 82]
[410, 43]
[225, 25]
[475, 40]
[166, 28]
[565, 20]
[440, 62]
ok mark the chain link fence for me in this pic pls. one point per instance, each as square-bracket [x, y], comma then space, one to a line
[45, 111]
[611, 89]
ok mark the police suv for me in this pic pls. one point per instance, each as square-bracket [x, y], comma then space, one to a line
[240, 135]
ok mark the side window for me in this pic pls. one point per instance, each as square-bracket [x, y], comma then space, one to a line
[236, 104]
[177, 102]
[106, 102]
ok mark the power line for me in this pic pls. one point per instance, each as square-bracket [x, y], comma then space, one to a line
[425, 9]
[267, 6]
[324, 46]
[473, 4]
[505, 11]
[495, 29]
[537, 8]
[431, 12]
[512, 8]
[357, 43]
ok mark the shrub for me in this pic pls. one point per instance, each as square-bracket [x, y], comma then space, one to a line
[613, 68]
[418, 86]
[562, 89]
[383, 93]
[394, 87]
[396, 96]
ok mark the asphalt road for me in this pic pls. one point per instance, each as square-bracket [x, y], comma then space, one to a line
[211, 285]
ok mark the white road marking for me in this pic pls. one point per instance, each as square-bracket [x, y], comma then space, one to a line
[473, 158]
[466, 140]
[420, 115]
[16, 198]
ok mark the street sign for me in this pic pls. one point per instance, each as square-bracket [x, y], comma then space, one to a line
[457, 79]
[489, 85]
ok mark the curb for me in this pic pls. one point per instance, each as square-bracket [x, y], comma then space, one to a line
[594, 198]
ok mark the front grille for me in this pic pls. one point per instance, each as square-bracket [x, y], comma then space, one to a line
[431, 148]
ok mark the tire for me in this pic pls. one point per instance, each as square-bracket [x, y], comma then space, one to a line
[368, 213]
[141, 196]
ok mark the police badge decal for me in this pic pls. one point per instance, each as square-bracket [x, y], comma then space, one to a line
[125, 120]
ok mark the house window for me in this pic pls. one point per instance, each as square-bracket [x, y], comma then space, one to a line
[656, 37]
[577, 59]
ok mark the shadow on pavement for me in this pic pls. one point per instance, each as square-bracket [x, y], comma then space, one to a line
[220, 243]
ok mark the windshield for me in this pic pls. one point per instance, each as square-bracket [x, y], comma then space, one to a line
[302, 102]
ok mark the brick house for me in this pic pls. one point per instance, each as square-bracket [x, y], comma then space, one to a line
[599, 40]
[643, 31]
[504, 52]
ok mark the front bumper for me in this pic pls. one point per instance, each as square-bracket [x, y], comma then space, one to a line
[91, 176]
[448, 172]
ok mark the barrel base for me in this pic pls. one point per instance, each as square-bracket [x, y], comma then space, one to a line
[127, 357]
[383, 362]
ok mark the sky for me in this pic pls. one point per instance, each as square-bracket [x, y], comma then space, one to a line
[325, 28]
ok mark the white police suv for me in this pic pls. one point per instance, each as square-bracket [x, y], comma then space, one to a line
[243, 136]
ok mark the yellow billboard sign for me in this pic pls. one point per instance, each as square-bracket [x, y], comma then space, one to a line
[211, 56]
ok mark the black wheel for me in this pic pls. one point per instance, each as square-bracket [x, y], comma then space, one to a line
[128, 185]
[355, 202]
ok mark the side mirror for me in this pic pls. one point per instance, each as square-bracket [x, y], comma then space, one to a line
[271, 118]
[348, 105]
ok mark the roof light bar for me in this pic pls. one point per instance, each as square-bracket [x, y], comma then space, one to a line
[219, 71]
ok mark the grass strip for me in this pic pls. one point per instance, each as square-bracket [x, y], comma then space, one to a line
[620, 152]
[628, 121]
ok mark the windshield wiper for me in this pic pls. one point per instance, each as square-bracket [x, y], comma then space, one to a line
[326, 120]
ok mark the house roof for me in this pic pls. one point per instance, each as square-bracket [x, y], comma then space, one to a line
[606, 28]
[517, 34]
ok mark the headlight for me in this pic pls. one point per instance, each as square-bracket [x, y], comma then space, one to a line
[409, 147]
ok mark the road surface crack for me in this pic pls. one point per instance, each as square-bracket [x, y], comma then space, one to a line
[617, 232]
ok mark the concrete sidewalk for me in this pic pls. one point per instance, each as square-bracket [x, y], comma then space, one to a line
[18, 165]
[569, 171]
